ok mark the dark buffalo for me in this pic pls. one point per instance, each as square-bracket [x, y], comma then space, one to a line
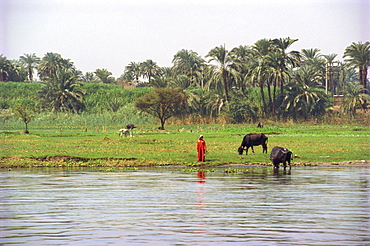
[253, 139]
[130, 126]
[280, 155]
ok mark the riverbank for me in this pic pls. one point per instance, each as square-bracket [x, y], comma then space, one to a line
[122, 163]
[312, 145]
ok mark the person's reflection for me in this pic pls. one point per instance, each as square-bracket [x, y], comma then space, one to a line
[201, 179]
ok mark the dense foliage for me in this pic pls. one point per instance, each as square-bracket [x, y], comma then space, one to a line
[264, 81]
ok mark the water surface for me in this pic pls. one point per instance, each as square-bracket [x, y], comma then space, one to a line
[304, 206]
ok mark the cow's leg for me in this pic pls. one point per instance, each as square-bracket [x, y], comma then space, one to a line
[246, 150]
[264, 148]
[252, 149]
[276, 164]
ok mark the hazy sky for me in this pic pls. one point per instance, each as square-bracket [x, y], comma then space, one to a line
[112, 33]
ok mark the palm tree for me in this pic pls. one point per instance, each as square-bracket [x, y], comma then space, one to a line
[49, 64]
[291, 58]
[135, 69]
[358, 56]
[104, 76]
[89, 77]
[260, 67]
[222, 69]
[305, 95]
[17, 72]
[308, 54]
[31, 61]
[189, 63]
[354, 97]
[241, 57]
[62, 92]
[5, 67]
[149, 69]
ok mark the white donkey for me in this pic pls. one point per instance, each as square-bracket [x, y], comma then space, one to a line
[125, 132]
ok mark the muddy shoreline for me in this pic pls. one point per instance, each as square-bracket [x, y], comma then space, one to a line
[70, 161]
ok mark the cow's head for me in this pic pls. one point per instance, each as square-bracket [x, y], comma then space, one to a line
[240, 150]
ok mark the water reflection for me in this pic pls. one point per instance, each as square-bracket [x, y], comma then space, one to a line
[302, 206]
[201, 179]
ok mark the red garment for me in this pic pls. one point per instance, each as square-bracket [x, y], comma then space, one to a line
[201, 148]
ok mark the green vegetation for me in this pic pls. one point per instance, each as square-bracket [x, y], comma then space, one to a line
[73, 119]
[52, 146]
[249, 83]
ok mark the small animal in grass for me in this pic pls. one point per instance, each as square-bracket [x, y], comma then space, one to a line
[125, 132]
[130, 126]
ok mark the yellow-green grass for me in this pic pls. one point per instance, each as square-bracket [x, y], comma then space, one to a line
[176, 146]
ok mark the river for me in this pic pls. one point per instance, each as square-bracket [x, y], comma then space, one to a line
[256, 206]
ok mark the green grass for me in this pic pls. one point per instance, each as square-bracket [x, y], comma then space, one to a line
[176, 145]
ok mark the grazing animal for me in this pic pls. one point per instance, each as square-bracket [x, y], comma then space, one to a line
[125, 132]
[253, 139]
[130, 126]
[280, 155]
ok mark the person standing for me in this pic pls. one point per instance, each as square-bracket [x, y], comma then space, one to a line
[201, 148]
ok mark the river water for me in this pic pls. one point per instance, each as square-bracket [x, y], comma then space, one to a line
[303, 206]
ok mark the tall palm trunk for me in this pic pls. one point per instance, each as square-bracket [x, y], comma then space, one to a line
[30, 75]
[263, 97]
[363, 78]
[270, 97]
[224, 75]
[274, 95]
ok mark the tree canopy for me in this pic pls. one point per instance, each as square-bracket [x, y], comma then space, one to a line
[264, 80]
[162, 103]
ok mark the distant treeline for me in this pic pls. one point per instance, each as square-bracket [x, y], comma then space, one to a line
[263, 81]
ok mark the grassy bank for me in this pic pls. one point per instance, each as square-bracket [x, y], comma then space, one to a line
[51, 146]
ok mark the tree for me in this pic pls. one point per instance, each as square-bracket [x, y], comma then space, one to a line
[358, 56]
[89, 77]
[31, 61]
[291, 58]
[162, 103]
[222, 69]
[49, 64]
[135, 69]
[62, 92]
[354, 97]
[189, 63]
[149, 69]
[104, 76]
[260, 66]
[5, 67]
[304, 95]
[25, 110]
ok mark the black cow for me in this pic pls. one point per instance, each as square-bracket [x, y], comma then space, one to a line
[130, 126]
[253, 139]
[280, 155]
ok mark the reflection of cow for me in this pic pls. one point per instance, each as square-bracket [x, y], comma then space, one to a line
[253, 139]
[280, 155]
